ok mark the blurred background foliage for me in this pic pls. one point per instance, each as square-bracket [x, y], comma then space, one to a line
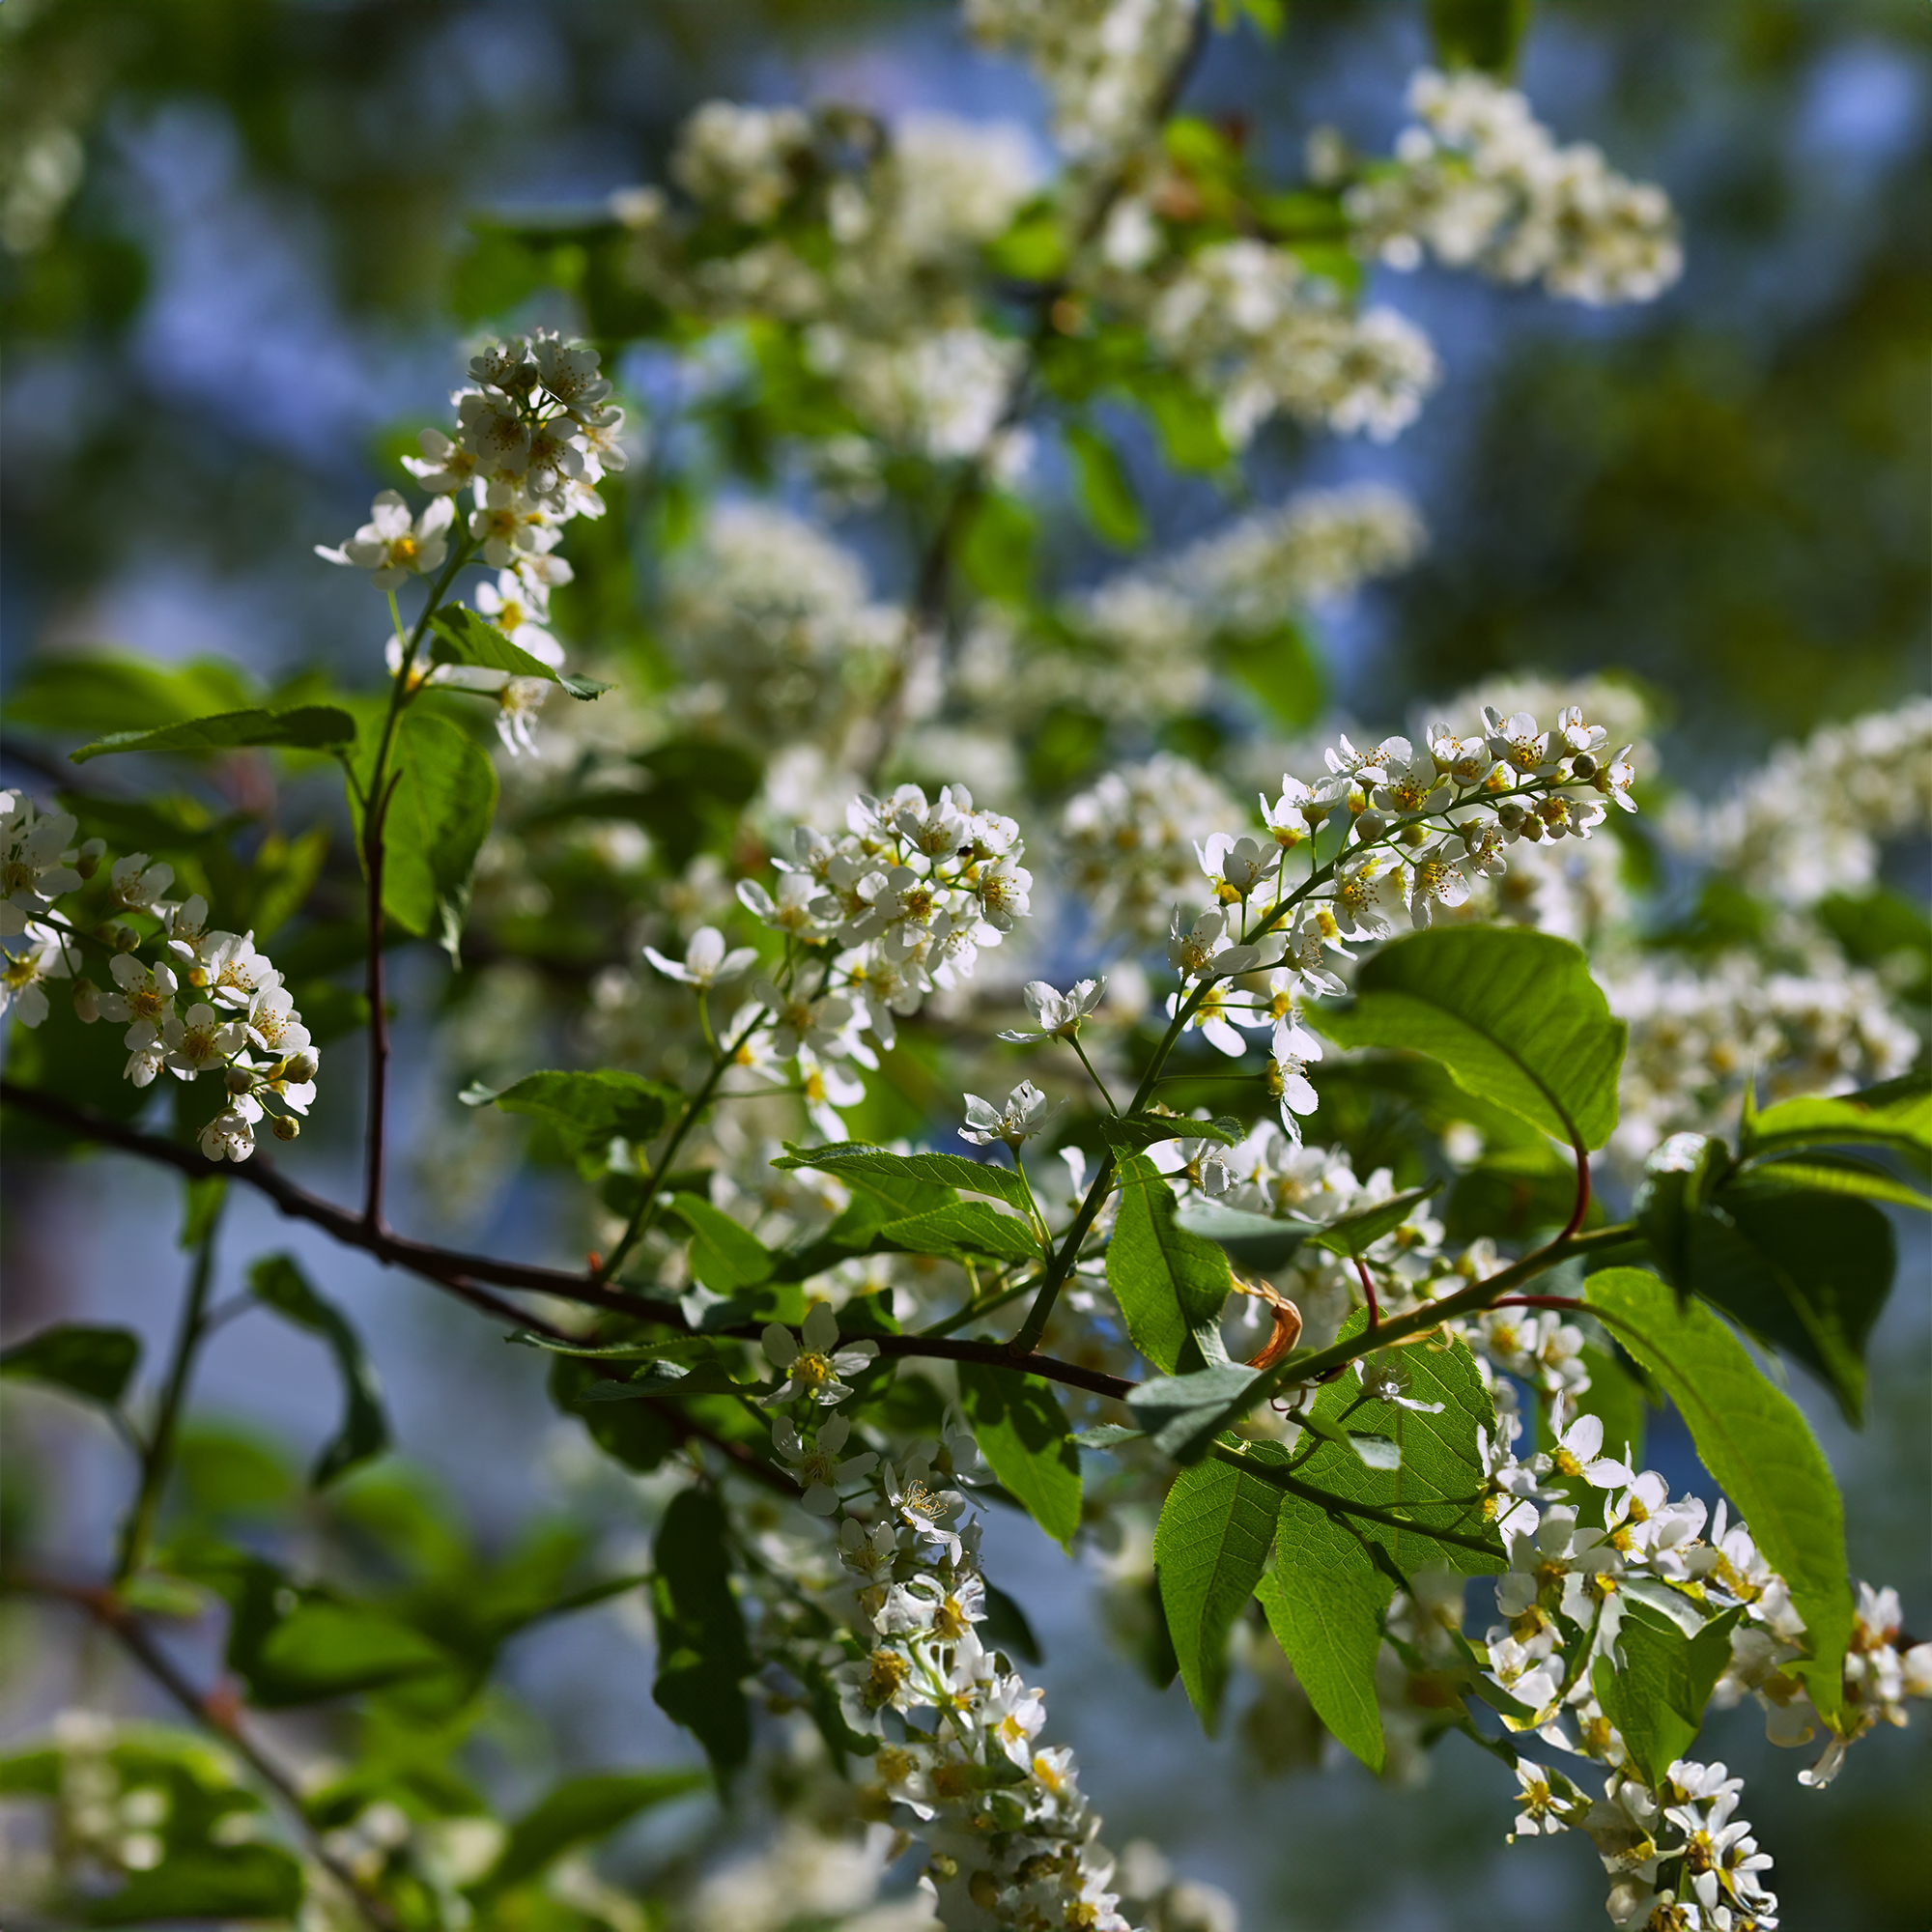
[236, 237]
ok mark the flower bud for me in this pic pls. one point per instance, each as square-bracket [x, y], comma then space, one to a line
[87, 861]
[1413, 835]
[1510, 815]
[122, 938]
[1530, 827]
[241, 1079]
[1370, 826]
[299, 1067]
[285, 1127]
[86, 1002]
[1583, 767]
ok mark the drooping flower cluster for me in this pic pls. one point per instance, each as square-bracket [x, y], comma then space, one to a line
[1482, 182]
[1677, 1852]
[205, 1001]
[535, 434]
[961, 1763]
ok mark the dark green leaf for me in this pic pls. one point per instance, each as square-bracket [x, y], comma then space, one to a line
[725, 1256]
[1678, 1181]
[702, 1651]
[1483, 34]
[902, 1178]
[462, 637]
[1656, 1690]
[1511, 1193]
[1324, 1598]
[1131, 1133]
[323, 1650]
[1167, 1281]
[1022, 1431]
[277, 1283]
[1806, 1272]
[996, 548]
[1209, 1549]
[576, 1812]
[633, 1433]
[309, 727]
[1883, 927]
[589, 1111]
[1181, 1414]
[200, 1209]
[1757, 1446]
[1007, 1627]
[1827, 1173]
[1102, 490]
[226, 1883]
[1282, 668]
[1513, 1014]
[1256, 1241]
[439, 812]
[90, 1362]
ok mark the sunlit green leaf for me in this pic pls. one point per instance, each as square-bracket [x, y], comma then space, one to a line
[1021, 1431]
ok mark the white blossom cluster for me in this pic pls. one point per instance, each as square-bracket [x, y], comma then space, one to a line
[1809, 821]
[240, 1022]
[1679, 1855]
[1010, 1838]
[1261, 335]
[906, 897]
[1699, 1032]
[1482, 182]
[1131, 841]
[1103, 62]
[535, 436]
[874, 258]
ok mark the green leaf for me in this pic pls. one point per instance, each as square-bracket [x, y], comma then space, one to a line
[636, 1434]
[666, 1379]
[1514, 1015]
[90, 1362]
[1102, 490]
[589, 1111]
[1678, 1181]
[1131, 1133]
[323, 1650]
[229, 1882]
[1355, 1233]
[1186, 422]
[107, 692]
[1827, 1174]
[901, 1177]
[277, 1283]
[1511, 1193]
[576, 1812]
[1656, 1690]
[1806, 1272]
[1483, 34]
[1439, 1481]
[439, 812]
[1209, 1549]
[1324, 1598]
[1007, 1627]
[725, 1256]
[1758, 1447]
[1281, 667]
[966, 1227]
[1257, 1241]
[1034, 249]
[462, 637]
[996, 547]
[1883, 928]
[1897, 1114]
[703, 1654]
[1022, 1431]
[1181, 1414]
[1167, 1280]
[309, 727]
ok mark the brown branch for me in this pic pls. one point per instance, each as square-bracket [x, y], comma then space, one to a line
[379, 1017]
[212, 1712]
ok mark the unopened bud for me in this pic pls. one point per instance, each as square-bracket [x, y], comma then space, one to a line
[86, 1002]
[1583, 766]
[122, 938]
[1413, 835]
[1370, 826]
[1531, 827]
[87, 861]
[1510, 815]
[285, 1127]
[300, 1065]
[241, 1079]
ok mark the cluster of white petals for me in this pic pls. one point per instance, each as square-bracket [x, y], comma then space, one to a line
[1481, 182]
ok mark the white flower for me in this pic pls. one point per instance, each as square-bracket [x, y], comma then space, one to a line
[821, 1025]
[520, 611]
[1004, 889]
[136, 884]
[146, 999]
[706, 963]
[1027, 1113]
[1055, 1015]
[1237, 865]
[799, 908]
[927, 1510]
[825, 1087]
[817, 1468]
[204, 1039]
[390, 546]
[21, 978]
[35, 866]
[443, 466]
[1012, 1718]
[1288, 1079]
[1202, 947]
[1435, 878]
[1517, 742]
[1578, 1453]
[810, 1361]
[230, 1134]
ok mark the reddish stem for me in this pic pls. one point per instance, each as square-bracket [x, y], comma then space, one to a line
[1582, 1207]
[1369, 1295]
[1535, 1301]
